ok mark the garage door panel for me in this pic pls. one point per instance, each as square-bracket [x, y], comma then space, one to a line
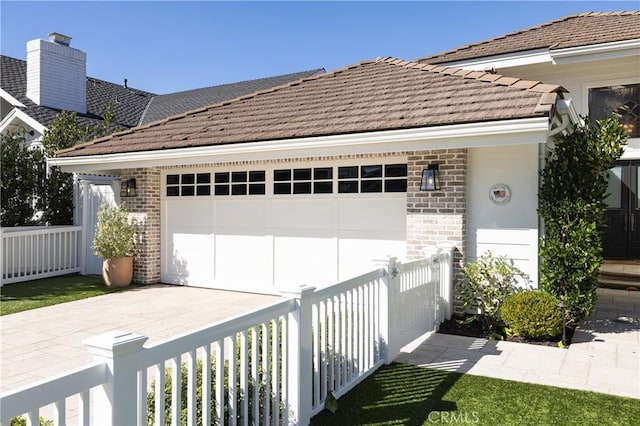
[189, 255]
[305, 260]
[359, 255]
[384, 213]
[188, 212]
[244, 258]
[245, 213]
[303, 214]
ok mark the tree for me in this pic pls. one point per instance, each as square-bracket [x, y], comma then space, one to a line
[571, 203]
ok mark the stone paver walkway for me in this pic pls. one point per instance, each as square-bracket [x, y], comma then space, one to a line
[43, 342]
[604, 355]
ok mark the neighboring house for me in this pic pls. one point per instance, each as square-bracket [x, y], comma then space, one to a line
[596, 57]
[53, 78]
[308, 182]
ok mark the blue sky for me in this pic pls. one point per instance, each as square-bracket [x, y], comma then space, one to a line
[168, 46]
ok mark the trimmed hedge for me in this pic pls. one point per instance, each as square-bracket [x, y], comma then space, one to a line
[532, 314]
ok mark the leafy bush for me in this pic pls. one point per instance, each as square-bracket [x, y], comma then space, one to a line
[22, 421]
[486, 283]
[572, 194]
[115, 233]
[532, 314]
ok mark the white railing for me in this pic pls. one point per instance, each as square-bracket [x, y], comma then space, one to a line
[274, 365]
[30, 253]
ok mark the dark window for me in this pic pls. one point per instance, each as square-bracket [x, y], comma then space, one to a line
[302, 174]
[280, 175]
[348, 186]
[173, 179]
[203, 178]
[188, 179]
[323, 173]
[173, 191]
[348, 172]
[257, 176]
[257, 189]
[621, 102]
[187, 191]
[322, 187]
[222, 177]
[222, 190]
[238, 176]
[282, 188]
[239, 189]
[370, 171]
[371, 186]
[395, 170]
[203, 190]
[395, 185]
[302, 187]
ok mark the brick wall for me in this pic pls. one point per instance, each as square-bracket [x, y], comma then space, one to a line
[437, 217]
[145, 207]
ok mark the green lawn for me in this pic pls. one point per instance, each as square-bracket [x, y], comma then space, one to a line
[404, 394]
[28, 295]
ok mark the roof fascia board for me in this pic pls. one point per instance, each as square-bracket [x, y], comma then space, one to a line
[618, 49]
[495, 133]
[17, 114]
[530, 57]
[13, 101]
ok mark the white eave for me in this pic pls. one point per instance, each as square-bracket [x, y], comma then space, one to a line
[618, 49]
[593, 52]
[13, 101]
[494, 133]
[19, 115]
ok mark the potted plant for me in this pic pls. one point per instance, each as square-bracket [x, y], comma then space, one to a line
[114, 242]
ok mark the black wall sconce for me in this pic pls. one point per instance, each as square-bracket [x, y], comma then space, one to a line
[128, 188]
[430, 178]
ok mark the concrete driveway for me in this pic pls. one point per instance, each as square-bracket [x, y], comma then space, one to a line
[43, 342]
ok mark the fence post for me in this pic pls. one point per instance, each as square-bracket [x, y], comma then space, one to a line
[116, 401]
[299, 374]
[445, 258]
[388, 313]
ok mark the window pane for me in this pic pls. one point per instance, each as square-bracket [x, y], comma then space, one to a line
[222, 177]
[203, 190]
[173, 191]
[301, 174]
[239, 189]
[322, 187]
[279, 175]
[347, 172]
[371, 186]
[348, 186]
[282, 188]
[395, 185]
[204, 178]
[188, 179]
[256, 176]
[188, 191]
[370, 171]
[622, 102]
[256, 188]
[173, 179]
[302, 188]
[614, 188]
[222, 190]
[238, 176]
[395, 170]
[323, 173]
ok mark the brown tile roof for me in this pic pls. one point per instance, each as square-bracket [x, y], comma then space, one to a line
[384, 94]
[571, 31]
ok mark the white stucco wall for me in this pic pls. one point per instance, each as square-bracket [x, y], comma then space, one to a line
[509, 229]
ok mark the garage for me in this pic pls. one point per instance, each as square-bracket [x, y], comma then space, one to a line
[264, 227]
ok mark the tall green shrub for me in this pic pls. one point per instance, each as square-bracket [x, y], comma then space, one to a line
[571, 203]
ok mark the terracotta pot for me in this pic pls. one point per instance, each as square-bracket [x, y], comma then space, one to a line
[117, 272]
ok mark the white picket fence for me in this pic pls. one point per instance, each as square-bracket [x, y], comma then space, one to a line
[32, 252]
[274, 365]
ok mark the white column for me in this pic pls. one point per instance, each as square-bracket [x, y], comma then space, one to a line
[445, 257]
[299, 372]
[116, 402]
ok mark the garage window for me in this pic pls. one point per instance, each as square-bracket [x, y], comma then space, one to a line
[188, 184]
[250, 182]
[372, 178]
[317, 180]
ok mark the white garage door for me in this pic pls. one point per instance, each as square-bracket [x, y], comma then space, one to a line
[266, 228]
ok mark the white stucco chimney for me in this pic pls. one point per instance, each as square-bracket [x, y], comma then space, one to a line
[57, 74]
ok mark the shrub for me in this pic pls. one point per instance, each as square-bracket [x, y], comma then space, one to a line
[486, 283]
[532, 314]
[115, 233]
[571, 203]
